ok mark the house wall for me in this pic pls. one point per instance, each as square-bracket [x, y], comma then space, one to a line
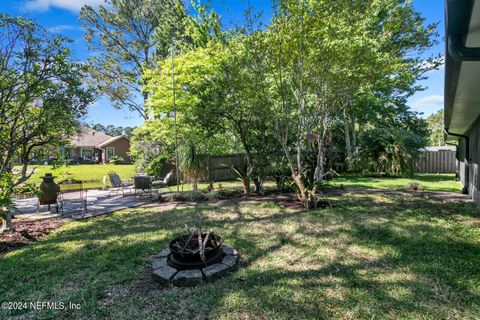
[461, 162]
[474, 179]
[122, 149]
[76, 155]
[468, 169]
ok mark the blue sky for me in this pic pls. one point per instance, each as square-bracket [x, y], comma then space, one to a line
[62, 16]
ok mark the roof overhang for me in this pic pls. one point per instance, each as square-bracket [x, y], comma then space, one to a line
[462, 65]
[111, 140]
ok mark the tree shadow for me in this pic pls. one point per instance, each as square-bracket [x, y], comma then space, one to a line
[384, 257]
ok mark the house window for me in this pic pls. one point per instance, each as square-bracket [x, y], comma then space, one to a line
[87, 153]
[67, 153]
[110, 152]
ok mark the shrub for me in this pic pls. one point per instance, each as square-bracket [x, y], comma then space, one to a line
[115, 160]
[191, 163]
[176, 196]
[7, 205]
[157, 167]
[212, 195]
[280, 172]
[388, 150]
[193, 195]
[415, 186]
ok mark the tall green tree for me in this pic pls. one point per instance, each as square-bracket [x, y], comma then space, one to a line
[320, 56]
[435, 124]
[318, 64]
[43, 95]
[127, 37]
[302, 52]
[235, 100]
[392, 144]
[192, 69]
[196, 58]
[398, 39]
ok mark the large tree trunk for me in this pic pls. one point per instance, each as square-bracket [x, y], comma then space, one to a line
[295, 174]
[320, 166]
[302, 192]
[354, 133]
[346, 127]
[257, 180]
[7, 159]
[5, 221]
[9, 220]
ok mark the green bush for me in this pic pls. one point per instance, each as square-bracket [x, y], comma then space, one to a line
[388, 150]
[193, 195]
[191, 163]
[415, 185]
[157, 167]
[116, 160]
[7, 191]
[212, 195]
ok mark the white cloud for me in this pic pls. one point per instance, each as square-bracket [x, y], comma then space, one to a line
[72, 5]
[433, 100]
[63, 27]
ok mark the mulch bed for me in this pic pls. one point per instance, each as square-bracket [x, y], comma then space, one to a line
[26, 231]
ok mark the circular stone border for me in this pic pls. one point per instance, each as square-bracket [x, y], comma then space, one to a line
[167, 275]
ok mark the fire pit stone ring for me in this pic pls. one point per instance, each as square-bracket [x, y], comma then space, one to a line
[168, 274]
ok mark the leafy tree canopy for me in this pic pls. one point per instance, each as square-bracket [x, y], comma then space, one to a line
[435, 124]
[42, 92]
[127, 37]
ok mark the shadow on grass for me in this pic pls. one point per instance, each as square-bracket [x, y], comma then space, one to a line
[433, 182]
[369, 256]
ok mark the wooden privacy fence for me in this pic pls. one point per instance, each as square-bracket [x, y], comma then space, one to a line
[218, 168]
[441, 161]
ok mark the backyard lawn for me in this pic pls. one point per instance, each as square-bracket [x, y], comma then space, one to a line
[90, 174]
[371, 256]
[92, 177]
[428, 181]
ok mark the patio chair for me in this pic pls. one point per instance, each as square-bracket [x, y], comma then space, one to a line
[142, 182]
[165, 182]
[72, 196]
[117, 184]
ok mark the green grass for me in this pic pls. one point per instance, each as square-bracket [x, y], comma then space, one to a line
[90, 174]
[429, 182]
[225, 185]
[369, 257]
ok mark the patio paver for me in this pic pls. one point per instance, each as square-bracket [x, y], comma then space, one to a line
[99, 202]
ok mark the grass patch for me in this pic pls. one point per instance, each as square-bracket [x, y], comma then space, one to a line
[370, 256]
[92, 177]
[429, 182]
[90, 174]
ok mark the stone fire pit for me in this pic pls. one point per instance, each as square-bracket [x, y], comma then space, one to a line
[172, 268]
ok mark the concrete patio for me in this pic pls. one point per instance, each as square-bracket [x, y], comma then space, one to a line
[99, 202]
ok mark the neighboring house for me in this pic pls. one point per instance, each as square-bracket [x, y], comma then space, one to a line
[96, 147]
[462, 89]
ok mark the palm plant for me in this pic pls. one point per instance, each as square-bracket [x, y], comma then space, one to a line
[191, 163]
[388, 150]
[243, 173]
